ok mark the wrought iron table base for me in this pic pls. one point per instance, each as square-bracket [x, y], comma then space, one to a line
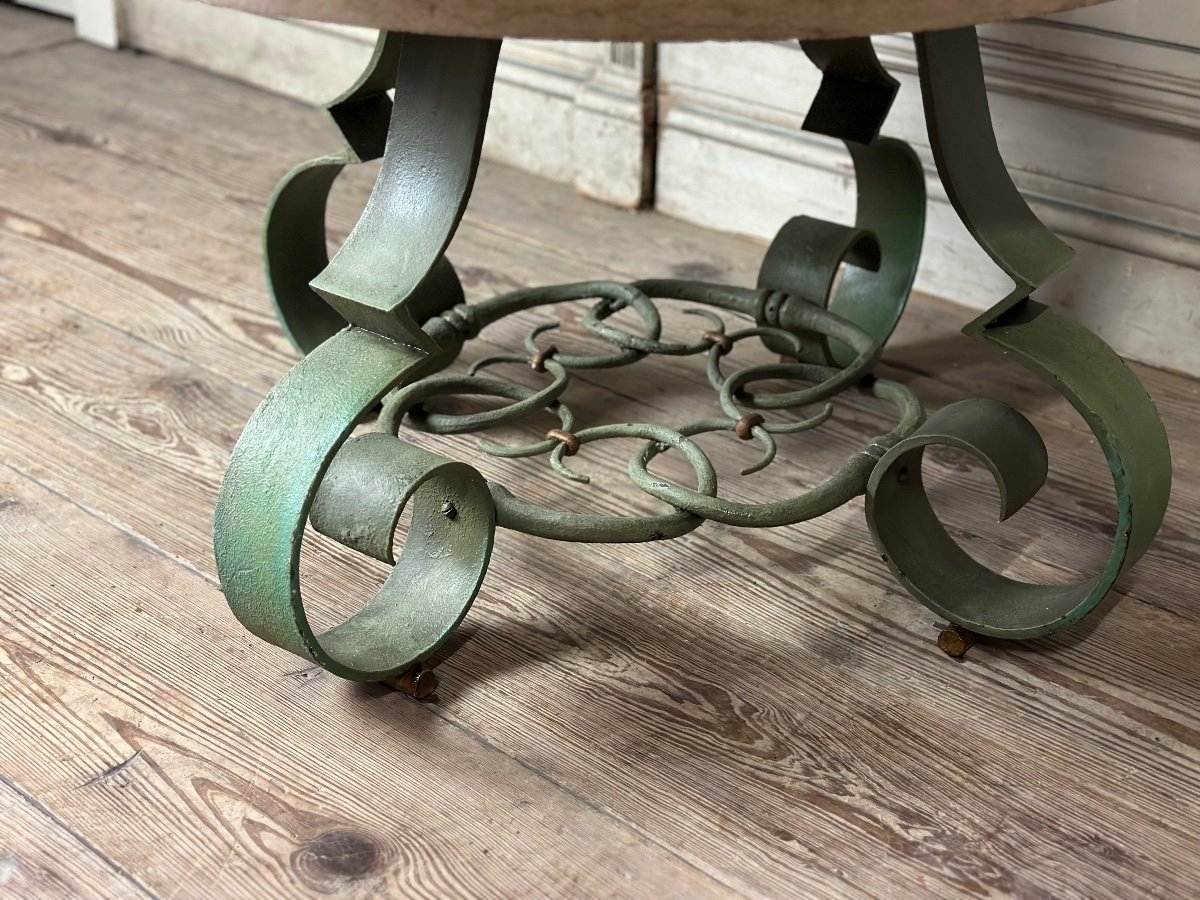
[387, 314]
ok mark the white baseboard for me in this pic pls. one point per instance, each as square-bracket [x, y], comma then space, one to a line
[564, 110]
[1106, 154]
[1097, 113]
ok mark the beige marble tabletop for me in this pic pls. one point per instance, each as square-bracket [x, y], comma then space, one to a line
[657, 20]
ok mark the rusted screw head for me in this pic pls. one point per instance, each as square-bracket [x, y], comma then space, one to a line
[565, 438]
[719, 340]
[416, 682]
[449, 510]
[744, 427]
[956, 641]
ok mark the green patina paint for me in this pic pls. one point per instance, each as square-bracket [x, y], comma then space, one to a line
[1071, 359]
[827, 299]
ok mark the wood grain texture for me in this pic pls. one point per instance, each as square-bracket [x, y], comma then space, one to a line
[41, 857]
[217, 801]
[22, 31]
[657, 20]
[755, 713]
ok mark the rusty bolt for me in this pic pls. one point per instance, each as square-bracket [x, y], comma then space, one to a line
[449, 510]
[566, 438]
[745, 425]
[720, 340]
[956, 641]
[417, 682]
[538, 363]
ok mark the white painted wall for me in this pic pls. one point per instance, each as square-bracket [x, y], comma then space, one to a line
[95, 20]
[569, 111]
[58, 7]
[1097, 113]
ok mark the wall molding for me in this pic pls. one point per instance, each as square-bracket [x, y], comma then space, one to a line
[570, 111]
[1104, 151]
[1097, 114]
[1057, 70]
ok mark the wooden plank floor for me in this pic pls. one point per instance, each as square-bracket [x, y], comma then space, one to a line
[735, 714]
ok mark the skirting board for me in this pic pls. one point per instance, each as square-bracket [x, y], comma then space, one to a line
[1101, 131]
[1106, 154]
[567, 111]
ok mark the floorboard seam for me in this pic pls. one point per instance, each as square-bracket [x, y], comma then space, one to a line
[431, 709]
[134, 336]
[139, 539]
[173, 354]
[591, 804]
[46, 811]
[27, 51]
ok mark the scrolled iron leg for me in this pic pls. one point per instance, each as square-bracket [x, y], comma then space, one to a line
[293, 458]
[1069, 357]
[386, 315]
[294, 232]
[877, 258]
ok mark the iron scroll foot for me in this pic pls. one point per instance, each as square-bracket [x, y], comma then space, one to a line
[1070, 358]
[382, 320]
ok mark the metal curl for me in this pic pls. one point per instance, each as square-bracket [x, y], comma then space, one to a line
[406, 400]
[1080, 366]
[717, 379]
[294, 250]
[494, 360]
[831, 381]
[531, 518]
[844, 485]
[658, 435]
[566, 421]
[564, 449]
[498, 308]
[718, 424]
[594, 321]
[731, 396]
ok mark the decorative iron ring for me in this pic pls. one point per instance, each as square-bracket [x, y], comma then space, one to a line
[846, 484]
[810, 318]
[594, 321]
[531, 518]
[493, 310]
[526, 400]
[716, 377]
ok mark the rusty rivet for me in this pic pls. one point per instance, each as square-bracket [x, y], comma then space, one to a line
[747, 422]
[538, 363]
[719, 339]
[449, 510]
[417, 682]
[564, 437]
[956, 641]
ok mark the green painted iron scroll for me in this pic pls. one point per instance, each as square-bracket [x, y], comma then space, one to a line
[382, 320]
[294, 233]
[294, 457]
[360, 492]
[1069, 357]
